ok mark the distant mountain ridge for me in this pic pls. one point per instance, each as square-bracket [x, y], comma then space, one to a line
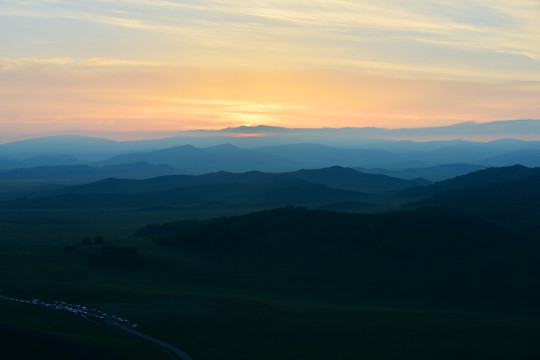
[189, 159]
[522, 129]
[478, 178]
[508, 195]
[85, 173]
[525, 129]
[229, 195]
[277, 150]
[335, 177]
[431, 173]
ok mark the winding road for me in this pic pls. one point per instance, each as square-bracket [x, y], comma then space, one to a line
[172, 351]
[162, 344]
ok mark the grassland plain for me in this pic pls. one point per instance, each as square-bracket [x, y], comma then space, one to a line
[28, 332]
[219, 310]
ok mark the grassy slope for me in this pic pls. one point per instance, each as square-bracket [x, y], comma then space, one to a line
[516, 204]
[218, 310]
[27, 331]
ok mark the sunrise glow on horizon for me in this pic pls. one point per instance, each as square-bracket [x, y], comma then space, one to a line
[156, 66]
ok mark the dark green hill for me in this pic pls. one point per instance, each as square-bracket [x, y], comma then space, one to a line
[335, 177]
[474, 179]
[487, 176]
[269, 194]
[348, 179]
[431, 173]
[231, 195]
[513, 203]
[164, 183]
[429, 252]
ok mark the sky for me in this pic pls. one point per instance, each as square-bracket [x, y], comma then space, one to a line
[132, 66]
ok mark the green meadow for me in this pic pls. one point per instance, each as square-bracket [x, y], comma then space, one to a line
[216, 305]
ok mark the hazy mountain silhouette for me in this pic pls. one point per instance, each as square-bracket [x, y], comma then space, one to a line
[528, 157]
[85, 173]
[8, 164]
[169, 182]
[467, 130]
[192, 160]
[50, 160]
[280, 192]
[348, 179]
[348, 206]
[431, 173]
[317, 155]
[335, 177]
[60, 145]
[384, 146]
[478, 178]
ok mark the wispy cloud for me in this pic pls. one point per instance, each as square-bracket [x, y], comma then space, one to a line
[9, 63]
[498, 26]
[165, 64]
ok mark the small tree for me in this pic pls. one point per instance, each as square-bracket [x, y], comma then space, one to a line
[86, 241]
[99, 240]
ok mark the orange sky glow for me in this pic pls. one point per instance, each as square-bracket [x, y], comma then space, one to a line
[139, 66]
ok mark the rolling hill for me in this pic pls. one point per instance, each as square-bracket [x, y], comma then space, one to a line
[283, 149]
[84, 173]
[227, 195]
[191, 160]
[477, 178]
[515, 203]
[335, 177]
[431, 252]
[430, 173]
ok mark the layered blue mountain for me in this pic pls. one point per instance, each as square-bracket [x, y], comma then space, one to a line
[477, 178]
[69, 174]
[189, 159]
[228, 195]
[335, 177]
[334, 186]
[281, 149]
[431, 173]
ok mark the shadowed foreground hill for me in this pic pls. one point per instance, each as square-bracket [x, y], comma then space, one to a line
[513, 203]
[317, 187]
[231, 195]
[429, 252]
[477, 178]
